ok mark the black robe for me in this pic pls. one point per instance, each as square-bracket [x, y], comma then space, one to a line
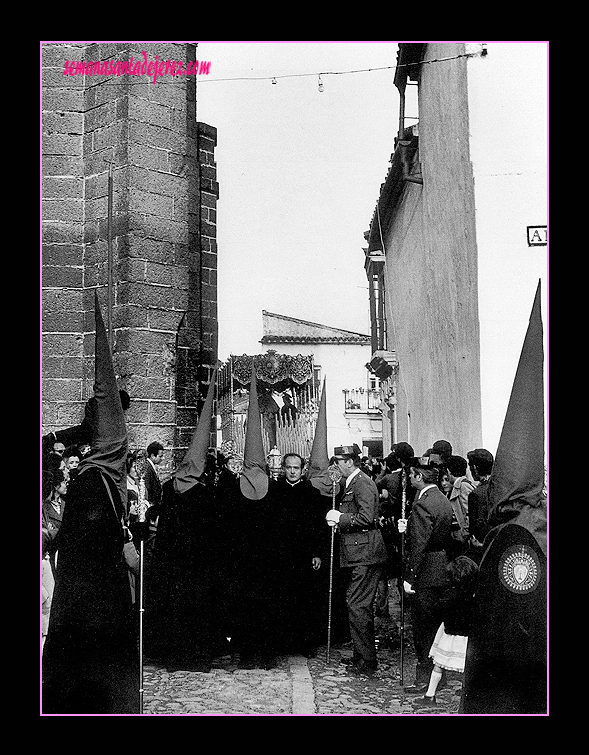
[180, 622]
[90, 658]
[228, 505]
[506, 658]
[305, 535]
[257, 564]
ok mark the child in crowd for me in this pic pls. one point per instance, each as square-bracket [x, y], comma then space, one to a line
[448, 649]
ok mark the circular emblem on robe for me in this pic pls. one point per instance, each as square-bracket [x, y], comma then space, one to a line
[519, 569]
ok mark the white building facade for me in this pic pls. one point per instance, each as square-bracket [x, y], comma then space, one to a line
[458, 240]
[353, 397]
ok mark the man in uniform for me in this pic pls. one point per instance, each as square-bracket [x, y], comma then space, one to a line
[362, 551]
[425, 577]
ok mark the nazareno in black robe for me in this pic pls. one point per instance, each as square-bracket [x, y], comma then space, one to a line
[506, 656]
[181, 603]
[90, 658]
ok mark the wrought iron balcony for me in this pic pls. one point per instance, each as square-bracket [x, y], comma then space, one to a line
[361, 400]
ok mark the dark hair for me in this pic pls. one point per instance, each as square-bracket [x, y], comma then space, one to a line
[443, 448]
[457, 465]
[431, 475]
[131, 459]
[481, 459]
[72, 451]
[51, 479]
[378, 465]
[295, 455]
[52, 461]
[154, 448]
[462, 571]
[402, 451]
[392, 462]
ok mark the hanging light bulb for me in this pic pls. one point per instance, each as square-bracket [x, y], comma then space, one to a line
[320, 84]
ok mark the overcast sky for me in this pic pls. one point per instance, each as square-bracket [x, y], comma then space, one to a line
[299, 172]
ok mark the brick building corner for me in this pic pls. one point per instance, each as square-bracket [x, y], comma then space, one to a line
[158, 251]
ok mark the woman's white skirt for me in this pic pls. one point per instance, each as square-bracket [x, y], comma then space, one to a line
[449, 650]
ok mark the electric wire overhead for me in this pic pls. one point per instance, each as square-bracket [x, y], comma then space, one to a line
[274, 79]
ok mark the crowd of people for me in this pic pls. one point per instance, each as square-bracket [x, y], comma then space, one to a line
[224, 574]
[223, 558]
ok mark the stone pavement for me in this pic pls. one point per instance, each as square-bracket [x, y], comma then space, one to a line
[298, 686]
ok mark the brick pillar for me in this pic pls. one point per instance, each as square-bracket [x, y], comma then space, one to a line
[148, 133]
[62, 236]
[196, 344]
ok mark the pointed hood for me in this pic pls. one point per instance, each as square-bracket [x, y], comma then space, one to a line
[109, 431]
[253, 481]
[516, 485]
[192, 465]
[319, 461]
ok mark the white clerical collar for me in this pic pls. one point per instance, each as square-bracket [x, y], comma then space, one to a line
[351, 477]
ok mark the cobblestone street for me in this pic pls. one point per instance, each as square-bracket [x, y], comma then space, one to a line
[298, 686]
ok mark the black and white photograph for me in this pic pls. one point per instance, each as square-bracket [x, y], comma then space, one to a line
[294, 307]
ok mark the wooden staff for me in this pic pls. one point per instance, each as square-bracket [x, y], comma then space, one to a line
[335, 476]
[402, 625]
[141, 509]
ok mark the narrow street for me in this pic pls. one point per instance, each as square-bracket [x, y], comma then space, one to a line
[298, 686]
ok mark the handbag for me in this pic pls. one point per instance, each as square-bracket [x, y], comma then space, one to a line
[131, 557]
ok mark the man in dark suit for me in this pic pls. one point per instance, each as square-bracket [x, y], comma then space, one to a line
[362, 551]
[153, 486]
[391, 487]
[153, 495]
[424, 574]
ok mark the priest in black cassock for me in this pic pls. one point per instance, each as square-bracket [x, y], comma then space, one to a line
[90, 658]
[306, 546]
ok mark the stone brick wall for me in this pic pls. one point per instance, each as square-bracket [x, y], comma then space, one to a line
[62, 238]
[163, 239]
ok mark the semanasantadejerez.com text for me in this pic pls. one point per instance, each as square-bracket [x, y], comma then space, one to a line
[138, 68]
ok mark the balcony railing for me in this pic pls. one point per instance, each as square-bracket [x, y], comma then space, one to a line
[361, 400]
